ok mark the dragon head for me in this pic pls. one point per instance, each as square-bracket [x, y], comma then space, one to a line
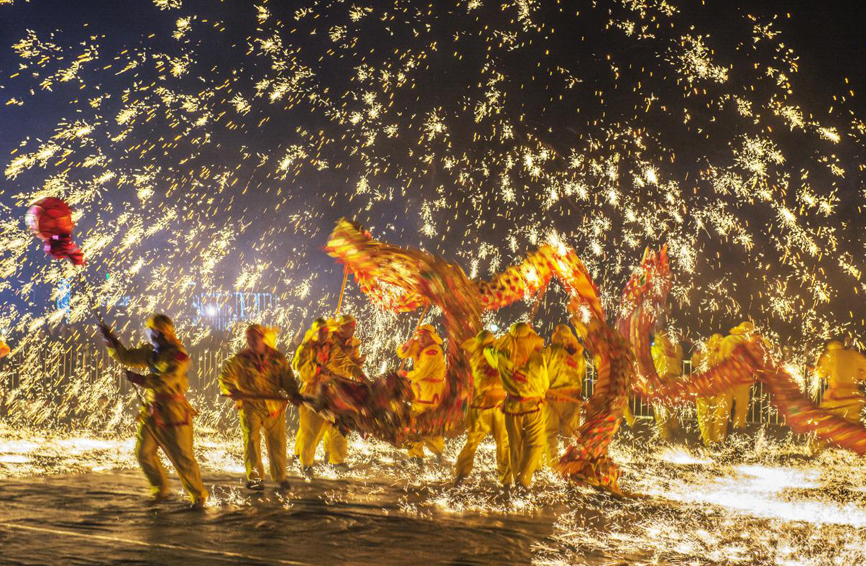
[650, 283]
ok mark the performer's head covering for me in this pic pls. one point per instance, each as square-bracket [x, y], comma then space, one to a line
[520, 341]
[430, 331]
[746, 327]
[343, 325]
[563, 336]
[313, 333]
[163, 325]
[714, 341]
[481, 340]
[270, 336]
[256, 328]
[267, 333]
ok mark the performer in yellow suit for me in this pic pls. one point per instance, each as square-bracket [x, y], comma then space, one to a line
[343, 337]
[428, 382]
[343, 334]
[668, 361]
[518, 358]
[566, 369]
[739, 396]
[255, 373]
[710, 409]
[844, 371]
[317, 360]
[485, 414]
[165, 420]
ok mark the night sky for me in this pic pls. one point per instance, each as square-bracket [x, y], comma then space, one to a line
[280, 221]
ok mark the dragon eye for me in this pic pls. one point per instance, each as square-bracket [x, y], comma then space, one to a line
[643, 279]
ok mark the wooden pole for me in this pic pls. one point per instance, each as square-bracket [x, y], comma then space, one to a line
[417, 326]
[342, 289]
[539, 297]
[423, 314]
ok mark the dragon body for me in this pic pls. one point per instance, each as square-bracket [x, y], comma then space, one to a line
[644, 301]
[404, 280]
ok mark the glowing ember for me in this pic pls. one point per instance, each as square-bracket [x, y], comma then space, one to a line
[206, 155]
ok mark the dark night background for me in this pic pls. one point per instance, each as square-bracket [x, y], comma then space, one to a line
[827, 36]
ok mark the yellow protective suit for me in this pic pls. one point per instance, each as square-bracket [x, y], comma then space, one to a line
[739, 396]
[627, 414]
[566, 369]
[844, 370]
[343, 331]
[518, 358]
[248, 375]
[316, 359]
[165, 420]
[712, 420]
[484, 416]
[269, 336]
[343, 336]
[668, 361]
[427, 377]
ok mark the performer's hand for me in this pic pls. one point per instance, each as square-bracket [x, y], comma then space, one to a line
[315, 403]
[322, 355]
[296, 398]
[107, 335]
[135, 378]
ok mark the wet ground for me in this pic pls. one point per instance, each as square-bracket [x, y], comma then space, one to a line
[78, 499]
[101, 517]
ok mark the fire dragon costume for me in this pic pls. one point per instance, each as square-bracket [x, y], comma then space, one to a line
[404, 280]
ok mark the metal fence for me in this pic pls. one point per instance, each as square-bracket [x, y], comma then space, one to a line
[55, 367]
[761, 410]
[92, 362]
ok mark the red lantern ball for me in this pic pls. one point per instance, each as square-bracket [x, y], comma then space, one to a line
[50, 217]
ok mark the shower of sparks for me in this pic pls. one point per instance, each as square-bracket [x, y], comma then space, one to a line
[759, 502]
[766, 505]
[212, 153]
